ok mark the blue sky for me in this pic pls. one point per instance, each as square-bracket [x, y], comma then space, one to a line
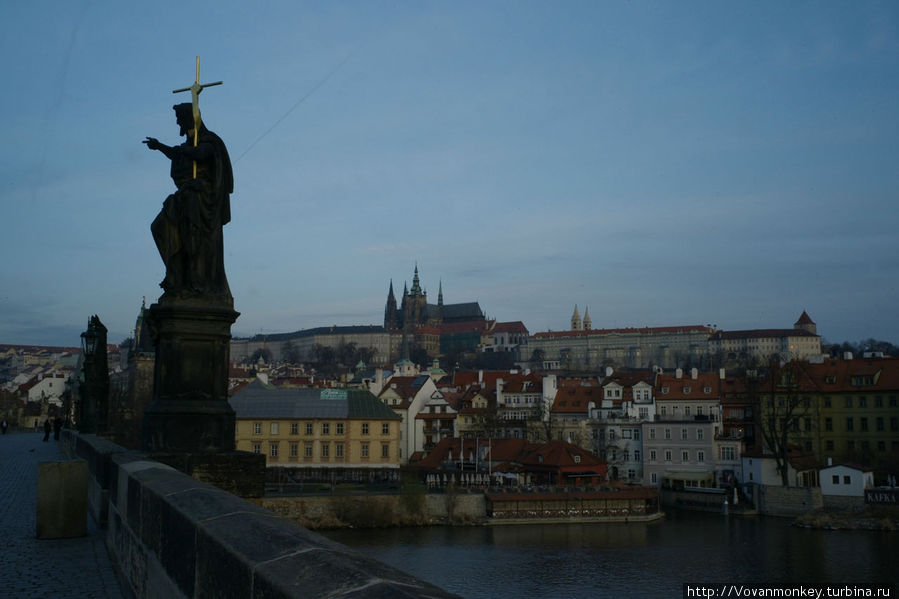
[661, 163]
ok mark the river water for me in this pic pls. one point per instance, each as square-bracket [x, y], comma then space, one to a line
[651, 559]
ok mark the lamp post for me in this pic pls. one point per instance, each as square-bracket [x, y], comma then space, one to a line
[95, 385]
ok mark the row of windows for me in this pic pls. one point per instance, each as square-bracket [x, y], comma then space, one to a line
[684, 455]
[879, 424]
[724, 453]
[830, 445]
[663, 411]
[861, 401]
[687, 390]
[324, 450]
[613, 455]
[626, 433]
[684, 434]
[309, 428]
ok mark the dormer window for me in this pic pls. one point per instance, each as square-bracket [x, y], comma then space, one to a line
[577, 459]
[706, 390]
[686, 389]
[664, 390]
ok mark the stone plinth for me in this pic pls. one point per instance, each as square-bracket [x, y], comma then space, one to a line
[190, 411]
[62, 499]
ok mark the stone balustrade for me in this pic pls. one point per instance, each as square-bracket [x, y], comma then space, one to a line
[170, 535]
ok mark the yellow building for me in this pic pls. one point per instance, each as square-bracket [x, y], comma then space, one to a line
[858, 414]
[316, 428]
[840, 410]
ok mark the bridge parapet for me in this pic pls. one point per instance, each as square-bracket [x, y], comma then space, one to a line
[170, 535]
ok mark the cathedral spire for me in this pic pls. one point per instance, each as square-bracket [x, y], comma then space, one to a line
[440, 293]
[416, 286]
[588, 323]
[390, 312]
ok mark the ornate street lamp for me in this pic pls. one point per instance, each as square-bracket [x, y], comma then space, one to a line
[95, 385]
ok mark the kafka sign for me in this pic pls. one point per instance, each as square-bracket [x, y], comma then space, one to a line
[332, 394]
[882, 496]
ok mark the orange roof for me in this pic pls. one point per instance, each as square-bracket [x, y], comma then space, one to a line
[575, 400]
[557, 453]
[464, 378]
[874, 374]
[510, 327]
[687, 387]
[804, 319]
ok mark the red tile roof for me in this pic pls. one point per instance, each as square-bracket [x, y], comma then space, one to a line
[576, 400]
[510, 327]
[804, 319]
[687, 387]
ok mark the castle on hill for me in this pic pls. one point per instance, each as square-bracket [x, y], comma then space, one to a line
[414, 311]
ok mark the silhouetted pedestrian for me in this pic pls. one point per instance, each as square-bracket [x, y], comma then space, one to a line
[4, 426]
[46, 429]
[57, 426]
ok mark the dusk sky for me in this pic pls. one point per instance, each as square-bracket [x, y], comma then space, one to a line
[670, 163]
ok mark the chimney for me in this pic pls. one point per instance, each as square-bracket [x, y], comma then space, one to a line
[609, 371]
[830, 462]
[694, 373]
[480, 376]
[679, 373]
[499, 392]
[722, 374]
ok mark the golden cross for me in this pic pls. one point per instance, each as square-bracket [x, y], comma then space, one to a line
[195, 90]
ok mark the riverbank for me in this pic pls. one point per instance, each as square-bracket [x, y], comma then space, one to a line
[868, 518]
[412, 508]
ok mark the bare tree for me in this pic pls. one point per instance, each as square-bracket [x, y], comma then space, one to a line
[782, 410]
[290, 353]
[541, 422]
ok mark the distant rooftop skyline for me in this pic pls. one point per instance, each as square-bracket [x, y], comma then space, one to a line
[662, 163]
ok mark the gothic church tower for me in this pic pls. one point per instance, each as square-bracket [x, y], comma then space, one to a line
[576, 324]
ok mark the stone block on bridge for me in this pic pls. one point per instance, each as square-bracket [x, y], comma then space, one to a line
[62, 499]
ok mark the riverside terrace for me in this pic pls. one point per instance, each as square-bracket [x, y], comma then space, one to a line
[169, 535]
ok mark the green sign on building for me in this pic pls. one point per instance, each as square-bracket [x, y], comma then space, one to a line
[331, 394]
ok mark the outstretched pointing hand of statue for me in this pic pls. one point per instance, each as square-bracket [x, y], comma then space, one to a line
[152, 143]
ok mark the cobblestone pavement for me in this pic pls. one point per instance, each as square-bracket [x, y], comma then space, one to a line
[32, 567]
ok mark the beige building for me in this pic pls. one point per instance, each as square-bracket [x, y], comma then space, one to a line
[800, 342]
[685, 444]
[633, 348]
[316, 428]
[386, 346]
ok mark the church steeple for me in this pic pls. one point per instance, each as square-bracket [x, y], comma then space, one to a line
[576, 324]
[390, 312]
[416, 287]
[588, 324]
[440, 293]
[805, 323]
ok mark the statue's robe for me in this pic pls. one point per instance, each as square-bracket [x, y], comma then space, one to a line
[188, 229]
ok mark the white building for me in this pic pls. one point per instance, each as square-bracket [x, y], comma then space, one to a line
[845, 481]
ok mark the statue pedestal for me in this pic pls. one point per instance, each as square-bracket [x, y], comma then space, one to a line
[190, 412]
